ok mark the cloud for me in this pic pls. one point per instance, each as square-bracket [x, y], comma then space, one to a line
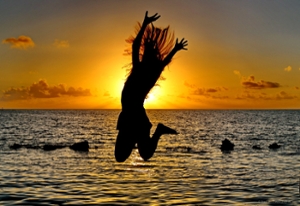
[288, 69]
[61, 43]
[263, 96]
[246, 95]
[189, 85]
[250, 83]
[41, 89]
[206, 92]
[211, 90]
[203, 91]
[22, 42]
[199, 91]
[284, 95]
[15, 93]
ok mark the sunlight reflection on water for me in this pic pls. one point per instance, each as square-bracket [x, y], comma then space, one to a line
[188, 168]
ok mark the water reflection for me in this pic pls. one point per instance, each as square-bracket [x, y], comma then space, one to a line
[202, 175]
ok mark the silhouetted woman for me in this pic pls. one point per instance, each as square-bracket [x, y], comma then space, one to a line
[152, 49]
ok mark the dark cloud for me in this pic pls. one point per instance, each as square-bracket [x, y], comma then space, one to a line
[22, 42]
[250, 83]
[41, 89]
[199, 91]
[206, 92]
[211, 90]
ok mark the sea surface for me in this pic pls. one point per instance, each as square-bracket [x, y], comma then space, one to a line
[187, 169]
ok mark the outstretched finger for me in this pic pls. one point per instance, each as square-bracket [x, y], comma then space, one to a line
[155, 17]
[185, 42]
[181, 40]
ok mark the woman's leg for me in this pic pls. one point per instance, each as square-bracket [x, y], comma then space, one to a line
[124, 145]
[147, 145]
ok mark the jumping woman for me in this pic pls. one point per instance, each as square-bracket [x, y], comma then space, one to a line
[152, 50]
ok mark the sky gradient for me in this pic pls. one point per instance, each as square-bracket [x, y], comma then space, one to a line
[70, 54]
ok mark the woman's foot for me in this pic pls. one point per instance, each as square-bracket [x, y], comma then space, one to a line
[162, 129]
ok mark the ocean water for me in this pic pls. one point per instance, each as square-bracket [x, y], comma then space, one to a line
[187, 169]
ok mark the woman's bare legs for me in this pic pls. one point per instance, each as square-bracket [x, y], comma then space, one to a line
[147, 145]
[124, 145]
[126, 141]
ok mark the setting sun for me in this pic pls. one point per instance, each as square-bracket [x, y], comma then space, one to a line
[150, 99]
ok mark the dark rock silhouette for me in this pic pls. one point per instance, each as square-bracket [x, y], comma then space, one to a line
[18, 146]
[31, 147]
[80, 146]
[179, 149]
[274, 146]
[49, 147]
[15, 146]
[226, 145]
[256, 147]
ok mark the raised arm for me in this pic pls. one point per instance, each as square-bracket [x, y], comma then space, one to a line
[138, 39]
[178, 46]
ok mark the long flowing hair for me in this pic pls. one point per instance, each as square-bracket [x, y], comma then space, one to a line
[156, 44]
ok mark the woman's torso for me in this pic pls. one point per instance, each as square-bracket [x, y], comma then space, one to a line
[138, 84]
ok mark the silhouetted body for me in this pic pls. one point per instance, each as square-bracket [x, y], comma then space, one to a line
[152, 50]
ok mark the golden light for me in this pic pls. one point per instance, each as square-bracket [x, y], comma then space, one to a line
[119, 87]
[150, 98]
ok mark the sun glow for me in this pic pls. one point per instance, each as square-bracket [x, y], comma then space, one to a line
[119, 87]
[150, 98]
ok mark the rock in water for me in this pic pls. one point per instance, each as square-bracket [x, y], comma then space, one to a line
[49, 147]
[274, 146]
[80, 146]
[256, 147]
[227, 145]
[15, 146]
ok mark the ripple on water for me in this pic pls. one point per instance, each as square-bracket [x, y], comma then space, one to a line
[187, 169]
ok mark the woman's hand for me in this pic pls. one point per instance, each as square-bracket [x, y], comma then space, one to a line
[150, 19]
[181, 45]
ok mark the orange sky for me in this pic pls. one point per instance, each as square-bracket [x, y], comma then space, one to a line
[69, 54]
